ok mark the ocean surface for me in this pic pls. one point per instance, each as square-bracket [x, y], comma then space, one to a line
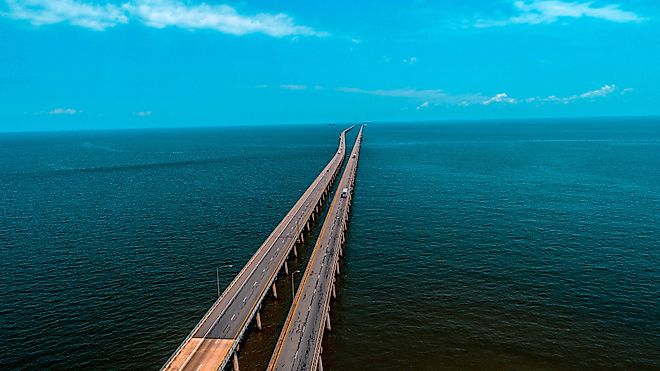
[472, 245]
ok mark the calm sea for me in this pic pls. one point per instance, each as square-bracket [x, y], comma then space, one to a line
[472, 245]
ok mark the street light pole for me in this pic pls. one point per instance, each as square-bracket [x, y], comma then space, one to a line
[217, 278]
[217, 275]
[293, 284]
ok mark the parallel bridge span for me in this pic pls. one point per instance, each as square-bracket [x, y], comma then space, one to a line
[299, 346]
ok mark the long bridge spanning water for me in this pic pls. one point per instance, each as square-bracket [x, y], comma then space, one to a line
[299, 346]
[214, 341]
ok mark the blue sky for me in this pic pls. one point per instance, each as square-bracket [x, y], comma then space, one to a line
[85, 64]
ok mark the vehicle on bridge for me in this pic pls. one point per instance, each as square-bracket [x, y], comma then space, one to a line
[344, 193]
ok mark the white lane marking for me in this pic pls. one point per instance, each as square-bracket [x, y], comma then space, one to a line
[232, 317]
[244, 299]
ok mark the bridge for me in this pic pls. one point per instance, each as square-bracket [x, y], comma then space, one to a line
[214, 340]
[299, 345]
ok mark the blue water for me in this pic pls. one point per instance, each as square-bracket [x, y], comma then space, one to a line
[472, 245]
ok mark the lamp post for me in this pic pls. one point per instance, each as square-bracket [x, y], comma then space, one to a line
[217, 275]
[293, 284]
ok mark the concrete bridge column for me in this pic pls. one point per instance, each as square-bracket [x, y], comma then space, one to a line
[274, 290]
[337, 268]
[302, 238]
[327, 322]
[286, 267]
[295, 250]
[258, 320]
[234, 362]
[320, 367]
[334, 292]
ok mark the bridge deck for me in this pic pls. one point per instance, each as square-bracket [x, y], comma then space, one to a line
[299, 345]
[211, 343]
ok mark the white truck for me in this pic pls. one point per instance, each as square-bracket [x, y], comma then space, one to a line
[344, 193]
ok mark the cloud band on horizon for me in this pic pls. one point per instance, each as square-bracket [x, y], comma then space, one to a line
[439, 97]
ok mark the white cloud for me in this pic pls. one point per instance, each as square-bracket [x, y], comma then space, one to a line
[550, 11]
[589, 95]
[500, 98]
[142, 113]
[293, 87]
[605, 90]
[411, 60]
[435, 96]
[427, 97]
[157, 14]
[223, 18]
[41, 12]
[627, 90]
[64, 111]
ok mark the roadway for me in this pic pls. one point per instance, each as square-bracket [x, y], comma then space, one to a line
[215, 338]
[299, 344]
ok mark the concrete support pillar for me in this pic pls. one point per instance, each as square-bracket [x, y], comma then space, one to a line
[334, 292]
[286, 267]
[295, 250]
[274, 291]
[313, 214]
[234, 362]
[320, 367]
[337, 268]
[302, 238]
[327, 322]
[258, 320]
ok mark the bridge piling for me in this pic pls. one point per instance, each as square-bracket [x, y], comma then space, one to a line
[274, 291]
[234, 362]
[258, 317]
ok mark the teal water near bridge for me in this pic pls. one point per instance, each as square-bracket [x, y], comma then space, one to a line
[471, 245]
